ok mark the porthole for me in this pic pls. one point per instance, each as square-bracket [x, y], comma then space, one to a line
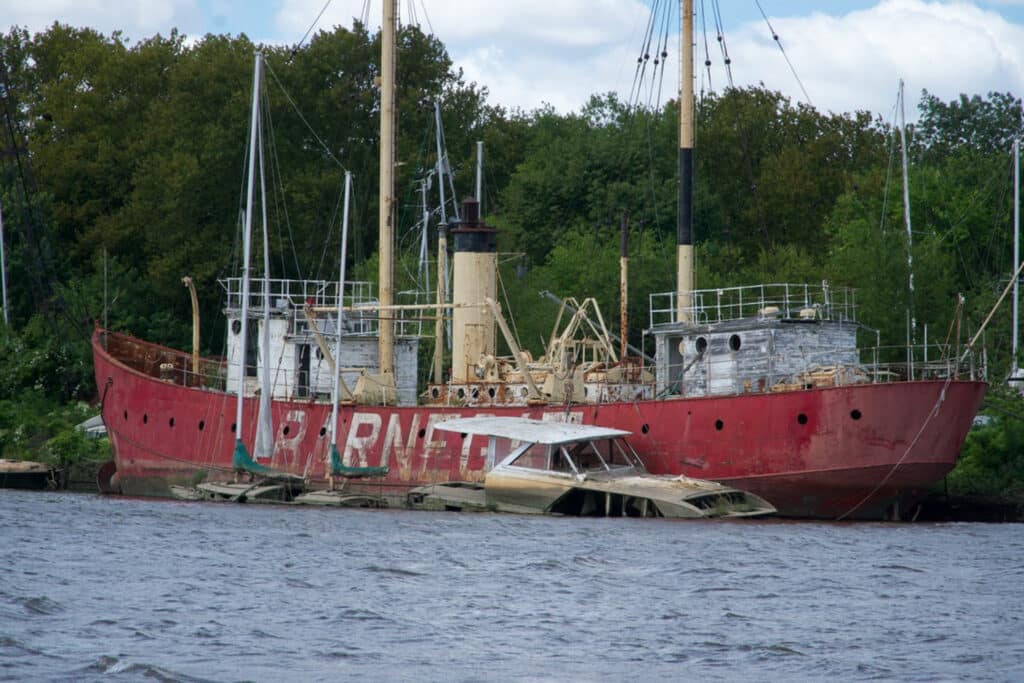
[719, 425]
[491, 392]
[855, 414]
[286, 430]
[202, 425]
[801, 418]
[233, 426]
[422, 433]
[645, 428]
[319, 354]
[126, 415]
[523, 392]
[435, 392]
[701, 344]
[476, 392]
[734, 342]
[461, 393]
[236, 326]
[323, 431]
[145, 418]
[171, 422]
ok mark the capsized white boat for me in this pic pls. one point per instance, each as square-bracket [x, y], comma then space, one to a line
[564, 468]
[259, 491]
[269, 490]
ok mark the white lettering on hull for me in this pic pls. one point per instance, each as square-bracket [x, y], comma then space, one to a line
[466, 446]
[370, 443]
[286, 448]
[433, 450]
[357, 446]
[393, 443]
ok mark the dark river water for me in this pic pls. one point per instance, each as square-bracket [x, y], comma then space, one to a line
[117, 589]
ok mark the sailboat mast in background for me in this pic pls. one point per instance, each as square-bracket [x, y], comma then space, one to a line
[906, 221]
[3, 264]
[335, 392]
[241, 455]
[1016, 252]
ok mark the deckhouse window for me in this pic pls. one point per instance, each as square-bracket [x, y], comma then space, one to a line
[252, 348]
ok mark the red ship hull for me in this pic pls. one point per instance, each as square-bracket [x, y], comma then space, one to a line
[837, 452]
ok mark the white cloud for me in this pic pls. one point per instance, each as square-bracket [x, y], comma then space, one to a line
[561, 51]
[855, 61]
[137, 20]
[528, 52]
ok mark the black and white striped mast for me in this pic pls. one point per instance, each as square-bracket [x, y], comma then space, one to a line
[684, 221]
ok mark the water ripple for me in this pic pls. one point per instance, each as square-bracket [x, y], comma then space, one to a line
[41, 605]
[139, 589]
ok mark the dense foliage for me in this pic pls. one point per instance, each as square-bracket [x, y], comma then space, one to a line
[127, 169]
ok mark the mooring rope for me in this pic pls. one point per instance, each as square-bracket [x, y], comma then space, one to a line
[892, 470]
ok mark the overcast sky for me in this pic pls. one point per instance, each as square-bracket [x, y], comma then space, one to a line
[849, 54]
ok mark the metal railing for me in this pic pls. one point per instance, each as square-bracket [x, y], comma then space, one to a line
[171, 365]
[785, 300]
[296, 293]
[289, 297]
[829, 367]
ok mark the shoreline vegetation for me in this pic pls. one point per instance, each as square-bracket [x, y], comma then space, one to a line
[125, 155]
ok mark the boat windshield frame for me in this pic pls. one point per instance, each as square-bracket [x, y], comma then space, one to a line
[575, 458]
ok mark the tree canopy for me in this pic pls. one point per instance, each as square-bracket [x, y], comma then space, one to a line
[127, 163]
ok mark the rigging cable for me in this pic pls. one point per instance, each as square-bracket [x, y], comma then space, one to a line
[426, 16]
[660, 13]
[295, 50]
[742, 131]
[275, 159]
[413, 234]
[280, 205]
[722, 45]
[661, 57]
[333, 221]
[298, 112]
[888, 171]
[508, 315]
[933, 413]
[641, 61]
[707, 50]
[775, 37]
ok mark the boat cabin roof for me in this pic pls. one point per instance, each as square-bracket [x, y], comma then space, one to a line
[528, 429]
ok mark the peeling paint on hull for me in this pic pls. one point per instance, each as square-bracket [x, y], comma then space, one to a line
[811, 453]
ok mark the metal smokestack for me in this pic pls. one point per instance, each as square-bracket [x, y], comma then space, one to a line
[474, 278]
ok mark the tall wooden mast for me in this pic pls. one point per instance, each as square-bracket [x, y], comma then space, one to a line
[386, 339]
[684, 221]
